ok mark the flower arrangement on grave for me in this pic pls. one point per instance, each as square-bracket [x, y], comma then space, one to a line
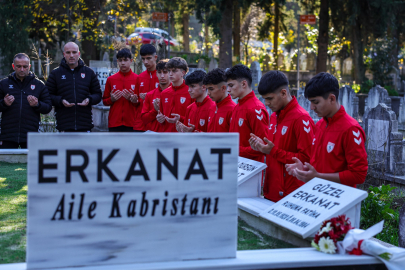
[338, 236]
[331, 232]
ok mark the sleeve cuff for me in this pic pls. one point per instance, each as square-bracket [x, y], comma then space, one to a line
[273, 151]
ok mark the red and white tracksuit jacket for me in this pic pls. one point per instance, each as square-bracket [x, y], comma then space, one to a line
[198, 114]
[339, 146]
[174, 99]
[148, 110]
[220, 119]
[249, 116]
[122, 111]
[292, 131]
[146, 82]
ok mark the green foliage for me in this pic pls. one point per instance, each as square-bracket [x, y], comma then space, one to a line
[364, 87]
[13, 211]
[391, 91]
[15, 19]
[381, 60]
[379, 205]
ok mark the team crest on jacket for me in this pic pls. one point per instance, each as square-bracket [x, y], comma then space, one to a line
[284, 130]
[330, 147]
[202, 122]
[156, 85]
[182, 100]
[221, 120]
[83, 75]
[132, 86]
[32, 87]
[240, 122]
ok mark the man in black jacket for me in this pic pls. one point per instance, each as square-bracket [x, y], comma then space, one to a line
[73, 87]
[23, 97]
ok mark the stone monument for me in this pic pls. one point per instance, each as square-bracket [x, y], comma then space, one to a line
[349, 100]
[213, 64]
[256, 75]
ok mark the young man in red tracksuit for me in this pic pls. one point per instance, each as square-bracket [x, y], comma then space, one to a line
[147, 81]
[338, 150]
[290, 135]
[175, 99]
[152, 100]
[119, 94]
[198, 113]
[220, 118]
[249, 115]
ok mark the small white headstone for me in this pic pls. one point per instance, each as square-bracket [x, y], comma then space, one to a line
[304, 210]
[347, 66]
[213, 64]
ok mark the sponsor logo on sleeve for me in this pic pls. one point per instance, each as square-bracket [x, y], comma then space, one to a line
[330, 147]
[307, 128]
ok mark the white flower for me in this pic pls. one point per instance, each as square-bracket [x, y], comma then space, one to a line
[327, 245]
[326, 229]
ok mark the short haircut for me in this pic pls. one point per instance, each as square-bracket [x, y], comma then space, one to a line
[177, 62]
[124, 53]
[272, 82]
[21, 56]
[322, 84]
[215, 76]
[161, 65]
[196, 77]
[239, 72]
[147, 49]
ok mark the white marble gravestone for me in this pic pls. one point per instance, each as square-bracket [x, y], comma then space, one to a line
[213, 64]
[114, 198]
[347, 66]
[349, 100]
[303, 211]
[249, 177]
[256, 75]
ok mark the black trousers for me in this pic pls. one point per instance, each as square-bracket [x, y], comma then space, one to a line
[121, 129]
[79, 130]
[12, 145]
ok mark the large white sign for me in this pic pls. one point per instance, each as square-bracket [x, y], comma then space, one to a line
[304, 210]
[113, 198]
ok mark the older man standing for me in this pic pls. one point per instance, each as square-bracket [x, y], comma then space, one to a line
[23, 97]
[73, 87]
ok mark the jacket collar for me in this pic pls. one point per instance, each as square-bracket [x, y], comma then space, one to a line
[199, 104]
[224, 101]
[126, 73]
[180, 86]
[340, 113]
[160, 88]
[246, 98]
[65, 65]
[289, 107]
[28, 78]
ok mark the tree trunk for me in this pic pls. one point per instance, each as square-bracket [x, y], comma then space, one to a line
[225, 29]
[276, 31]
[323, 38]
[358, 49]
[395, 49]
[206, 37]
[186, 31]
[236, 30]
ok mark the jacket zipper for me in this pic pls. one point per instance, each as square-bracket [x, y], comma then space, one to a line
[19, 122]
[74, 91]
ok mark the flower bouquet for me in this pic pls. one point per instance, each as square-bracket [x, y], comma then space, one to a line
[338, 236]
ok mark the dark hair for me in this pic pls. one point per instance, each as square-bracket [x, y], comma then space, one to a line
[147, 49]
[20, 56]
[161, 65]
[124, 53]
[322, 84]
[177, 62]
[239, 72]
[215, 76]
[272, 82]
[196, 77]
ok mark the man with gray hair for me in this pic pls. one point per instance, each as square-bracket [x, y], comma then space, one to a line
[23, 97]
[74, 88]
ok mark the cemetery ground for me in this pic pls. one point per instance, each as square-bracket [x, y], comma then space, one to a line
[382, 203]
[13, 207]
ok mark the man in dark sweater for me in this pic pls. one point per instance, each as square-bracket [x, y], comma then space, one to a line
[23, 97]
[74, 88]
